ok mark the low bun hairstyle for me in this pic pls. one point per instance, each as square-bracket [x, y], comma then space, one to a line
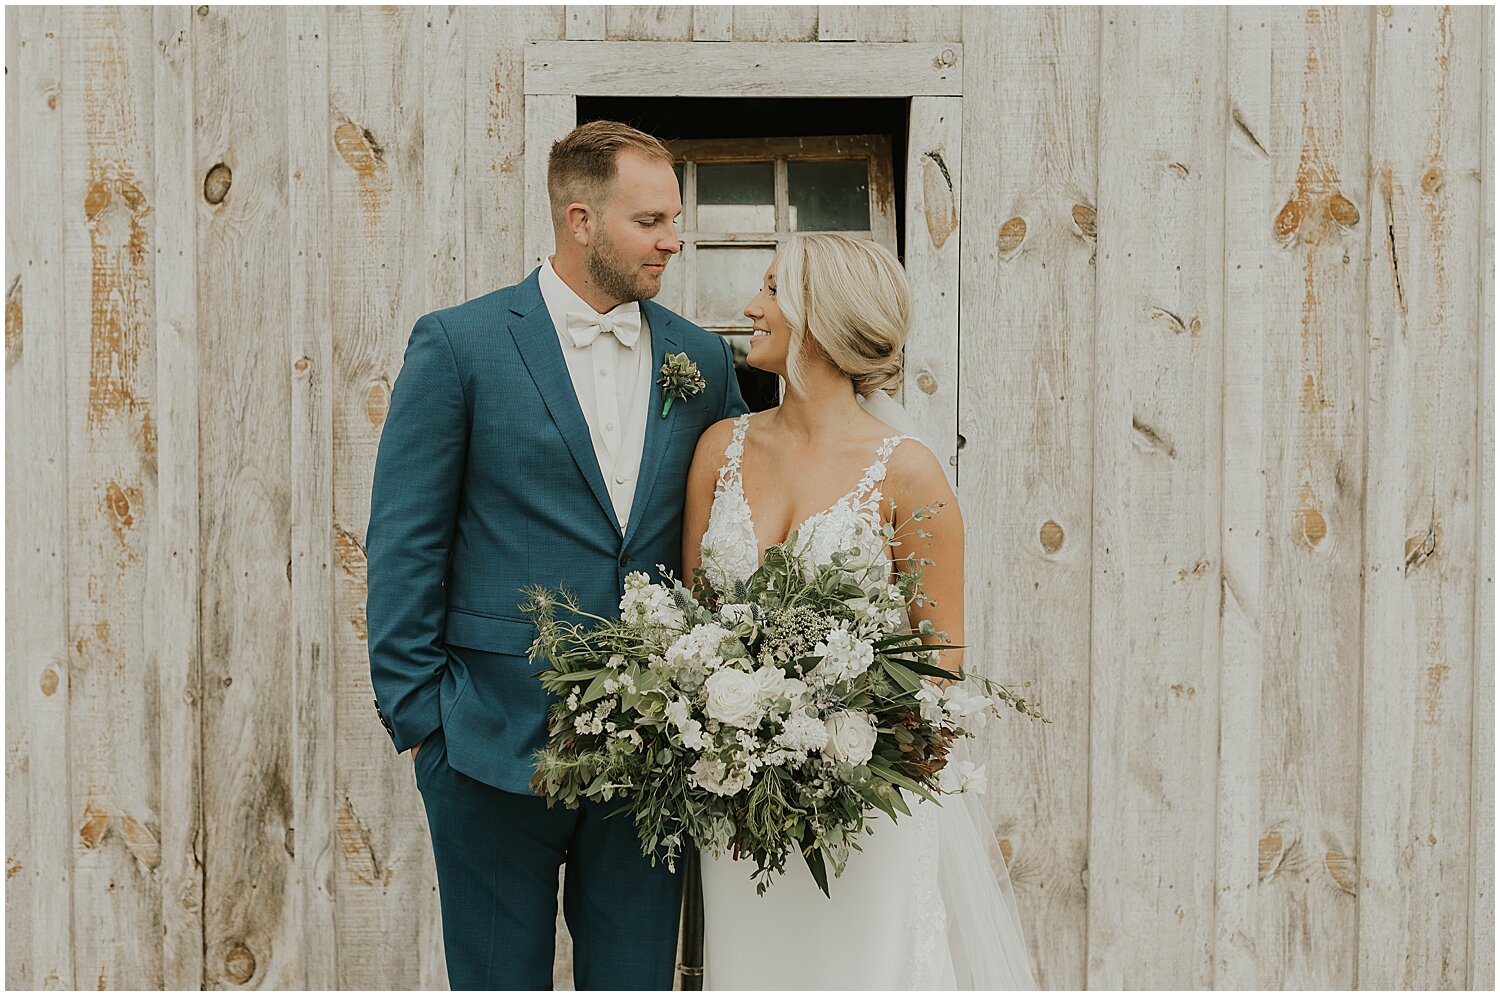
[850, 297]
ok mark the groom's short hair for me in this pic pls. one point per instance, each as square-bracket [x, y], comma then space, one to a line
[582, 167]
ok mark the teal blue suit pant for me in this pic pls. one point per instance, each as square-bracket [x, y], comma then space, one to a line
[498, 855]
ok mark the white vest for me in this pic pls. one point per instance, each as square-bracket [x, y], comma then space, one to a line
[613, 385]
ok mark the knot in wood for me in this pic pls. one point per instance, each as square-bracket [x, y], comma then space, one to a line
[1343, 211]
[1051, 536]
[239, 965]
[216, 183]
[1083, 217]
[1012, 234]
[1288, 220]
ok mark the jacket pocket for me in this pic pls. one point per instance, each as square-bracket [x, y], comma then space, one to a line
[489, 633]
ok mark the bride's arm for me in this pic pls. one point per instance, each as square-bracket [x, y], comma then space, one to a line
[699, 497]
[916, 480]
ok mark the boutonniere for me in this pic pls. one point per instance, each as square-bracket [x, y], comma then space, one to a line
[680, 380]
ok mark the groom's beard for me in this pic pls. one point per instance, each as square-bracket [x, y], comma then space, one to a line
[617, 277]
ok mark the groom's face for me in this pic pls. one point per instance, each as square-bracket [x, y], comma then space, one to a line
[635, 233]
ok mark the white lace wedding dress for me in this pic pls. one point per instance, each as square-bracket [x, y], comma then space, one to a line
[926, 903]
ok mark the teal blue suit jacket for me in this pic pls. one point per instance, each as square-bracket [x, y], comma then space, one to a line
[486, 482]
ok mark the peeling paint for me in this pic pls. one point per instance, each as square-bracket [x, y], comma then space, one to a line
[357, 842]
[939, 206]
[1422, 547]
[1150, 439]
[1340, 868]
[95, 823]
[1310, 528]
[142, 841]
[359, 150]
[15, 323]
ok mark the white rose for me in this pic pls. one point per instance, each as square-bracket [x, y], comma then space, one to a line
[771, 681]
[709, 773]
[851, 737]
[733, 698]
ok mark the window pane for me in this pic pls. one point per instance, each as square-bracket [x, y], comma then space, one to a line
[829, 196]
[728, 277]
[736, 197]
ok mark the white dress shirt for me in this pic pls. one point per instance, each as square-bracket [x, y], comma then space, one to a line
[613, 385]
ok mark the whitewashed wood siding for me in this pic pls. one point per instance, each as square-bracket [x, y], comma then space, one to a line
[1221, 414]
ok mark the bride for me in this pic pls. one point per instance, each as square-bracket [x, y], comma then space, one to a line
[926, 902]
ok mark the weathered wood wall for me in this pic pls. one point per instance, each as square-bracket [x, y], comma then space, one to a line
[1224, 435]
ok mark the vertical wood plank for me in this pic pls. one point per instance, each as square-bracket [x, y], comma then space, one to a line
[172, 557]
[648, 22]
[548, 118]
[908, 23]
[495, 153]
[381, 243]
[1247, 251]
[1482, 796]
[713, 22]
[108, 217]
[39, 830]
[252, 932]
[774, 24]
[585, 23]
[1027, 283]
[934, 160]
[443, 146]
[1422, 517]
[1298, 223]
[314, 692]
[1157, 457]
[836, 22]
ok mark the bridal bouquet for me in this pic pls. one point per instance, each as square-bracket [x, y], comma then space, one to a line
[775, 717]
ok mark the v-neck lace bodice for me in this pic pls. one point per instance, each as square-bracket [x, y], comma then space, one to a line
[731, 550]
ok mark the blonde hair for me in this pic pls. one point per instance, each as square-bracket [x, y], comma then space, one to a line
[850, 297]
[581, 166]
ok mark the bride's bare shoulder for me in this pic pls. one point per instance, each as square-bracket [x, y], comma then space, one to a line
[915, 475]
[709, 453]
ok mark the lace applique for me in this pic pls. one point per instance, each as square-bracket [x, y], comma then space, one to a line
[727, 555]
[731, 551]
[927, 920]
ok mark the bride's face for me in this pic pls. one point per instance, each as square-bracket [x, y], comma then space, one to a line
[773, 333]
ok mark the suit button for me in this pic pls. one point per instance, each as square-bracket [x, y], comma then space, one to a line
[624, 560]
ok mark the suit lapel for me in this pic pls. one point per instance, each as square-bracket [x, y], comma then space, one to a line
[666, 337]
[537, 341]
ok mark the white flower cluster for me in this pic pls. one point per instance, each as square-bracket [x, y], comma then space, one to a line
[844, 657]
[963, 776]
[647, 604]
[954, 707]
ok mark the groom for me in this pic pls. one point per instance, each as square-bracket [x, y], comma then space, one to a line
[526, 444]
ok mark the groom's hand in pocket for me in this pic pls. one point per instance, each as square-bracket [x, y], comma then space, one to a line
[417, 747]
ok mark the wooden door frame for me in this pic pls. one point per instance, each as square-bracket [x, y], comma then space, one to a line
[930, 74]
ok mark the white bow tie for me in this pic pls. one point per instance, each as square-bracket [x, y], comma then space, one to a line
[584, 327]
